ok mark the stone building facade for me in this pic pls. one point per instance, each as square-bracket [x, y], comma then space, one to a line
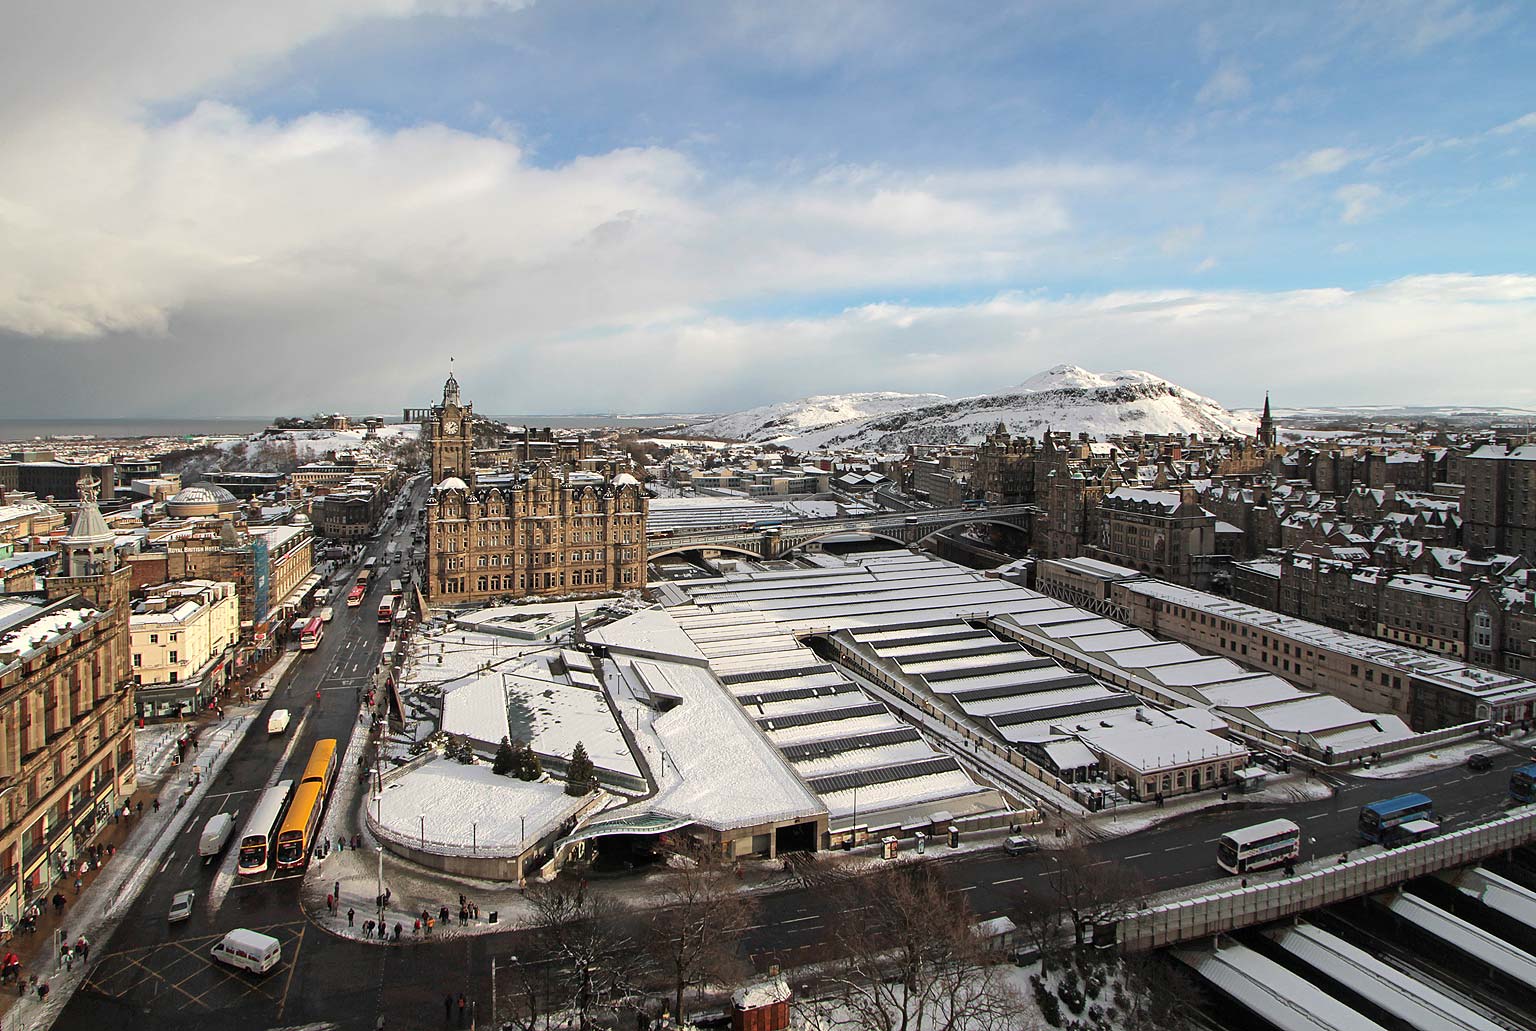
[546, 532]
[66, 703]
[1498, 506]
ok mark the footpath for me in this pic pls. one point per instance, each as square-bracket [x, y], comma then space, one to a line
[140, 841]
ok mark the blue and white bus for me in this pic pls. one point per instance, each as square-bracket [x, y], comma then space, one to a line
[1379, 820]
[1522, 784]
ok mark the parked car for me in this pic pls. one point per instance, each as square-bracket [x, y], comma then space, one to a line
[181, 906]
[1020, 845]
[1478, 762]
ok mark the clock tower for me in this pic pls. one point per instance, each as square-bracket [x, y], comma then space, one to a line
[450, 434]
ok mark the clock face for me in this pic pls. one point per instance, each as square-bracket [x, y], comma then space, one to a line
[451, 429]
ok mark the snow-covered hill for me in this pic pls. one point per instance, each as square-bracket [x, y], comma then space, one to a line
[789, 419]
[1061, 398]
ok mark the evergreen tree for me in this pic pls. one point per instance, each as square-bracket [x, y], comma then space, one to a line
[530, 768]
[580, 775]
[506, 758]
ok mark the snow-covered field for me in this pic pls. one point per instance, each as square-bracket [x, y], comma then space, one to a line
[1065, 397]
[788, 419]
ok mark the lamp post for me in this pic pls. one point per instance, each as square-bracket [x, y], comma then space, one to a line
[474, 837]
[380, 883]
[423, 832]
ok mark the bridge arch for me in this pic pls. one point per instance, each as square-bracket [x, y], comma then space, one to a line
[798, 544]
[979, 518]
[684, 548]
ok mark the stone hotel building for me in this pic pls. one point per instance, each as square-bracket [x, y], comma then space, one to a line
[546, 532]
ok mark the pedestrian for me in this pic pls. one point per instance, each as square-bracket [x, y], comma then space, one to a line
[42, 992]
[330, 903]
[69, 958]
[431, 922]
[83, 946]
[155, 804]
[78, 885]
[416, 931]
[337, 888]
[461, 1009]
[350, 914]
[447, 1008]
[387, 893]
[367, 928]
[398, 930]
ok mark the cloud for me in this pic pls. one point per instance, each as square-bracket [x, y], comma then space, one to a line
[1229, 84]
[1359, 202]
[1524, 122]
[1326, 161]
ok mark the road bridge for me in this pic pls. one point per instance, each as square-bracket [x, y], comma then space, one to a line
[904, 528]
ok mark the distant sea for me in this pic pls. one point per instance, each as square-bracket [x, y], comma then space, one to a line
[26, 430]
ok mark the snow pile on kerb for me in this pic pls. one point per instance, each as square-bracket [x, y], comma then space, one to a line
[466, 810]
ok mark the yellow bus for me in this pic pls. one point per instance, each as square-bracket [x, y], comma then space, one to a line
[297, 834]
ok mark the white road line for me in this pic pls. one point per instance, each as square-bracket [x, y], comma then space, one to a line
[1139, 855]
[802, 919]
[167, 862]
[1008, 880]
[1319, 816]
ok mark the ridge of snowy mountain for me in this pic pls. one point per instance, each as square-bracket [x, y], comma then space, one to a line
[789, 418]
[1063, 398]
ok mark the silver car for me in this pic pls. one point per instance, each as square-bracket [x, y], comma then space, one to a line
[181, 906]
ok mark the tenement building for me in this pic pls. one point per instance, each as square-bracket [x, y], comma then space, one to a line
[536, 532]
[66, 702]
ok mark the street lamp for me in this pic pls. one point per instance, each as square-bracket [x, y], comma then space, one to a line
[423, 832]
[380, 884]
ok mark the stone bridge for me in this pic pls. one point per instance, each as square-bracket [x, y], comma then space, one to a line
[905, 528]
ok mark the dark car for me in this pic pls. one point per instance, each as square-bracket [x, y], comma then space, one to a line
[1019, 845]
[1478, 762]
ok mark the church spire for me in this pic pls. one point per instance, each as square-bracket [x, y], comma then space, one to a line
[1266, 425]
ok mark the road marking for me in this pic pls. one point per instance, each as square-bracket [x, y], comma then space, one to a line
[802, 919]
[1008, 880]
[1139, 855]
[1319, 816]
[167, 862]
[1175, 848]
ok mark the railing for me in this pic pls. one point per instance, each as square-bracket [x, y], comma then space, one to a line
[927, 519]
[1223, 912]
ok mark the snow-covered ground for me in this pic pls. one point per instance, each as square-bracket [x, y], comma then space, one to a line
[1065, 397]
[1292, 787]
[789, 419]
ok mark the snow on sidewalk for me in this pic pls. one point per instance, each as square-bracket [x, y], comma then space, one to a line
[96, 913]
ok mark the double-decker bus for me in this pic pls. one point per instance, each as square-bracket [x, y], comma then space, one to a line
[386, 610]
[369, 563]
[355, 596]
[1272, 843]
[261, 828]
[1522, 784]
[309, 637]
[297, 835]
[1379, 820]
[363, 575]
[396, 587]
[296, 631]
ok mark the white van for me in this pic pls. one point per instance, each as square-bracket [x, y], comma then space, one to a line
[278, 721]
[215, 834]
[327, 614]
[249, 950]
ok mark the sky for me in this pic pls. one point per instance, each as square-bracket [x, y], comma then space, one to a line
[300, 205]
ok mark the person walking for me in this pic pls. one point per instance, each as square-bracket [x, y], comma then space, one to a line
[398, 930]
[350, 915]
[83, 946]
[447, 1008]
[462, 1004]
[42, 992]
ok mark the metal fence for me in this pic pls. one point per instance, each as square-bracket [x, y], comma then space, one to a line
[1218, 913]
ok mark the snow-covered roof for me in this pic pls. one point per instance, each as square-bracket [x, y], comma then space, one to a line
[460, 808]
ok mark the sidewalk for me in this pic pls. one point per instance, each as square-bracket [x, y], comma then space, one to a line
[140, 842]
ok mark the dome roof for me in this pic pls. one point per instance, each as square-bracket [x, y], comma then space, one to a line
[625, 480]
[452, 483]
[202, 499]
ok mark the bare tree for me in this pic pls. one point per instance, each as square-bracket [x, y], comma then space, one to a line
[1091, 892]
[696, 927]
[1158, 995]
[908, 958]
[592, 947]
[1039, 923]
